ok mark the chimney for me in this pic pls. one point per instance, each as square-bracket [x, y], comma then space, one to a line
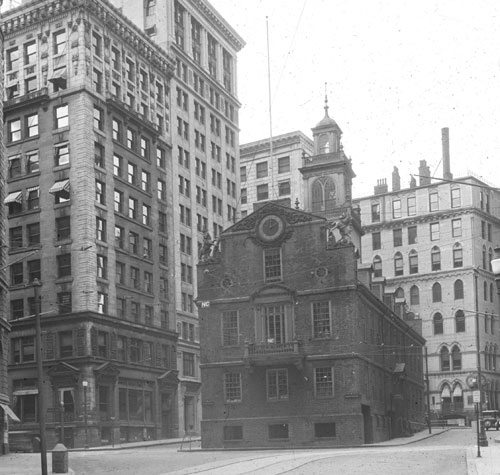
[425, 173]
[413, 182]
[445, 137]
[381, 187]
[396, 180]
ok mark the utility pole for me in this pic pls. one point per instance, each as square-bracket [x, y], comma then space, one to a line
[39, 364]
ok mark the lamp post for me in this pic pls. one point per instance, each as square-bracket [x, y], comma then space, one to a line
[61, 406]
[85, 383]
[482, 441]
[39, 367]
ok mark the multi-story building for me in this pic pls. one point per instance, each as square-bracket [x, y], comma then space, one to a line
[89, 205]
[5, 411]
[205, 150]
[270, 169]
[432, 243]
[295, 348]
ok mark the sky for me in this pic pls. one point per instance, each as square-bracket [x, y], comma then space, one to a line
[396, 73]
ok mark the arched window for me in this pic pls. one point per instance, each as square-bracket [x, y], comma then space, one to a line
[486, 323]
[459, 321]
[495, 350]
[484, 258]
[456, 358]
[458, 288]
[491, 292]
[398, 264]
[438, 324]
[445, 359]
[457, 393]
[377, 266]
[486, 357]
[458, 258]
[413, 259]
[435, 258]
[485, 291]
[323, 194]
[490, 258]
[436, 292]
[414, 295]
[493, 324]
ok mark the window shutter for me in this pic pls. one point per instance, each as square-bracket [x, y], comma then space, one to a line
[158, 355]
[113, 346]
[80, 342]
[49, 346]
[93, 341]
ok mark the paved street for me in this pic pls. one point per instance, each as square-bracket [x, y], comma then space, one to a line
[444, 454]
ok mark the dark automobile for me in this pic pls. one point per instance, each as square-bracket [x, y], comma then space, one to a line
[491, 419]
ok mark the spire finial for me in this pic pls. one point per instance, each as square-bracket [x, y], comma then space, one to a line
[326, 101]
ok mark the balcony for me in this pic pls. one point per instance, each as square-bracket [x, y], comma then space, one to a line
[269, 354]
[32, 98]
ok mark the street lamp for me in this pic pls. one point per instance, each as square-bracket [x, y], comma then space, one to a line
[61, 406]
[39, 366]
[85, 383]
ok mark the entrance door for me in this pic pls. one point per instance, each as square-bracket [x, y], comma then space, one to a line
[165, 416]
[367, 424]
[189, 414]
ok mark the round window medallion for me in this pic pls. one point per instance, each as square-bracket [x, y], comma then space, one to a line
[321, 272]
[226, 282]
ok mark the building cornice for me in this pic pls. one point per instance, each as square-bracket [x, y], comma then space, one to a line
[283, 140]
[219, 23]
[36, 12]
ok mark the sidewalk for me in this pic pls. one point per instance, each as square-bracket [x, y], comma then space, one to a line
[489, 462]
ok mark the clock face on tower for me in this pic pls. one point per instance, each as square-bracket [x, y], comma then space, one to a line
[271, 227]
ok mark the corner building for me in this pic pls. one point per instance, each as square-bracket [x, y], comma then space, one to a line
[205, 149]
[296, 348]
[431, 245]
[89, 204]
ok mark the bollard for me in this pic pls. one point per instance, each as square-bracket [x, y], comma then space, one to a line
[59, 459]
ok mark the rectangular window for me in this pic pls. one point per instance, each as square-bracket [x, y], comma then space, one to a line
[278, 431]
[233, 432]
[14, 130]
[102, 267]
[277, 384]
[61, 154]
[64, 302]
[33, 197]
[396, 209]
[455, 198]
[456, 227]
[64, 265]
[135, 311]
[376, 241]
[272, 264]
[324, 430]
[283, 164]
[34, 270]
[100, 192]
[15, 168]
[12, 59]
[99, 155]
[30, 52]
[261, 169]
[262, 192]
[16, 274]
[284, 188]
[397, 237]
[133, 242]
[375, 212]
[32, 125]
[232, 387]
[433, 201]
[413, 261]
[132, 208]
[100, 229]
[321, 319]
[97, 80]
[412, 234]
[33, 234]
[61, 116]
[323, 382]
[59, 42]
[188, 364]
[230, 330]
[16, 237]
[434, 231]
[412, 206]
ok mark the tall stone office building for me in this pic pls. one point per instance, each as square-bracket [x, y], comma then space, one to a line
[432, 243]
[89, 204]
[205, 151]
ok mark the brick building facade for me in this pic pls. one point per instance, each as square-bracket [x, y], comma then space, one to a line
[89, 206]
[296, 350]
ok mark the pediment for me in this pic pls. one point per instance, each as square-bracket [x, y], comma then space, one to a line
[169, 377]
[274, 292]
[107, 370]
[291, 216]
[63, 369]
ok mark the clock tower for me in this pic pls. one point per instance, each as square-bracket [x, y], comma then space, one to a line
[328, 173]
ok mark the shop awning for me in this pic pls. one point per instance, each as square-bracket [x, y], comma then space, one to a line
[59, 186]
[457, 392]
[445, 393]
[10, 412]
[16, 197]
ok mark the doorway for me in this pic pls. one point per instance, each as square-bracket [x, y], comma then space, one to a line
[367, 424]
